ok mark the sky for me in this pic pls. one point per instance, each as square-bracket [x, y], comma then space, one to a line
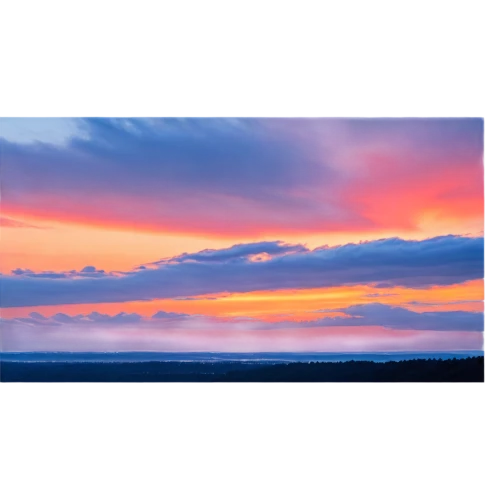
[241, 235]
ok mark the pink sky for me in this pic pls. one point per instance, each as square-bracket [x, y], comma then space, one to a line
[247, 229]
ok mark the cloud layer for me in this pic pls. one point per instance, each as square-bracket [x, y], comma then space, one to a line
[260, 266]
[250, 177]
[381, 315]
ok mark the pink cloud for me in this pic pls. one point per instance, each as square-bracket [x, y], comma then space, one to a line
[259, 178]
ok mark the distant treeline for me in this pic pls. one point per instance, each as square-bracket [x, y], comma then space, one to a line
[142, 371]
[419, 370]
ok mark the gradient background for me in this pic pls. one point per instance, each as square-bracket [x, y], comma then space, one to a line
[436, 58]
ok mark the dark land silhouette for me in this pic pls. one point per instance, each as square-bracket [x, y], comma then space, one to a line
[418, 370]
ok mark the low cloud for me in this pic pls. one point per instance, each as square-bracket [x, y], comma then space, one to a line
[402, 319]
[373, 295]
[86, 272]
[238, 252]
[387, 263]
[376, 314]
[432, 304]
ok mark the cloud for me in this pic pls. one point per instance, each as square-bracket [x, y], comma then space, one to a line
[38, 316]
[120, 318]
[64, 318]
[443, 260]
[379, 315]
[86, 272]
[450, 302]
[238, 252]
[13, 223]
[162, 315]
[403, 319]
[44, 274]
[251, 177]
[325, 311]
[160, 173]
[411, 303]
[435, 137]
[195, 298]
[372, 295]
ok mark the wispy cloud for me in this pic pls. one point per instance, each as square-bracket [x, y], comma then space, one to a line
[448, 303]
[381, 315]
[13, 223]
[189, 299]
[251, 177]
[377, 295]
[86, 272]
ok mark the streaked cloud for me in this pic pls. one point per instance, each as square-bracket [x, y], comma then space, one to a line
[377, 295]
[451, 302]
[383, 263]
[13, 223]
[375, 314]
[241, 178]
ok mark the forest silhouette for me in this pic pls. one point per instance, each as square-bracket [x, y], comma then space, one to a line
[419, 370]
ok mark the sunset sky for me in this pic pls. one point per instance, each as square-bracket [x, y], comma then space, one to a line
[242, 234]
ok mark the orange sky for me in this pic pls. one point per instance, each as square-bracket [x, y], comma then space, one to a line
[59, 246]
[147, 196]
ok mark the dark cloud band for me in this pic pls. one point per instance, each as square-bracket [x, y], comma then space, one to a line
[384, 263]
